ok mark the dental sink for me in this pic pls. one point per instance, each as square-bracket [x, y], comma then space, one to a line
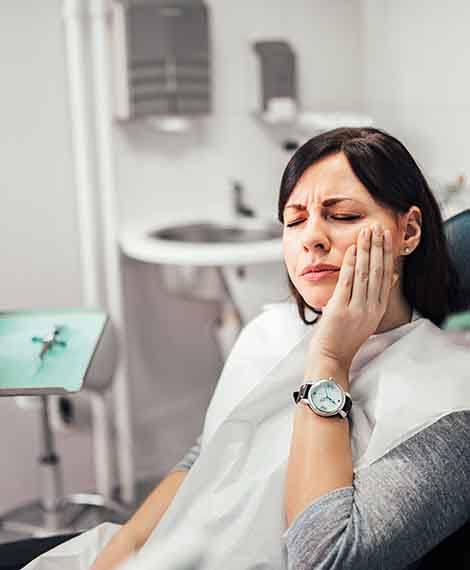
[237, 262]
[197, 242]
[211, 232]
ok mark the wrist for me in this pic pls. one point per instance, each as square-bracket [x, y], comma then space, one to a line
[324, 367]
[304, 416]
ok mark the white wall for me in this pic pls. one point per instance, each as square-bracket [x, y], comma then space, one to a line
[416, 82]
[155, 173]
[162, 173]
[38, 230]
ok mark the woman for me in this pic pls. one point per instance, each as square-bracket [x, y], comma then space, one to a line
[321, 484]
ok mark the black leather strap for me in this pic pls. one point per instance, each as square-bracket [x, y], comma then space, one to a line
[347, 405]
[301, 393]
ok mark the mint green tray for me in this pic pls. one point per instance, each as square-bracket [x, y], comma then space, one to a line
[63, 369]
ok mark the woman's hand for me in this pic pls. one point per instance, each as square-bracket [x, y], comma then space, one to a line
[359, 300]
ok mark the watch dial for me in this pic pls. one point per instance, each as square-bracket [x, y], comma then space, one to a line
[326, 397]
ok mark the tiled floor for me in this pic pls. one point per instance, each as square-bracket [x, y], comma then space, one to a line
[93, 516]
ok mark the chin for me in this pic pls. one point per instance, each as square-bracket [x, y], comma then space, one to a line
[317, 299]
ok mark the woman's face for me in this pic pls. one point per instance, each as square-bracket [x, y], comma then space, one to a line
[322, 218]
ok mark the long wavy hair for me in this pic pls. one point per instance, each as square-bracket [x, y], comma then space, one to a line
[388, 171]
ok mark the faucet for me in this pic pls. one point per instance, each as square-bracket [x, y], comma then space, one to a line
[240, 208]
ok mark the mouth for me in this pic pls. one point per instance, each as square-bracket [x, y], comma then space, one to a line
[318, 275]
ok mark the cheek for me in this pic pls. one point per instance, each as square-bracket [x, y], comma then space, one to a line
[291, 253]
[344, 243]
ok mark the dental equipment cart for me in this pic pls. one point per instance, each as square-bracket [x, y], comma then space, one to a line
[44, 353]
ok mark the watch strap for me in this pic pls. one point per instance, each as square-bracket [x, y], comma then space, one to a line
[302, 392]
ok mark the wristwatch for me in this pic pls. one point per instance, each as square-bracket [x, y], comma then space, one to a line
[325, 397]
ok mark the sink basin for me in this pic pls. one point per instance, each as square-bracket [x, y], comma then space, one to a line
[210, 232]
[238, 263]
[197, 241]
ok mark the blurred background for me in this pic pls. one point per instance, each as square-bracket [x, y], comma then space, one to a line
[120, 119]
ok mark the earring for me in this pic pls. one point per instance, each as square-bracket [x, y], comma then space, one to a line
[407, 250]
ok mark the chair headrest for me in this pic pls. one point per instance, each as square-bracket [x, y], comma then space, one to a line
[457, 230]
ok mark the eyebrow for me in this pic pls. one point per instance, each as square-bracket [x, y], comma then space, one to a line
[327, 202]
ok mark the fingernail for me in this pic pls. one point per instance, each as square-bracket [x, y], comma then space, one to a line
[395, 278]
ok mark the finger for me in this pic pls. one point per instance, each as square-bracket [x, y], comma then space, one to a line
[388, 282]
[342, 292]
[361, 274]
[376, 273]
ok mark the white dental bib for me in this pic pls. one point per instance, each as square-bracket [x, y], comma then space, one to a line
[401, 381]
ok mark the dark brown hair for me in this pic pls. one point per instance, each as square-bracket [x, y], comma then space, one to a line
[392, 177]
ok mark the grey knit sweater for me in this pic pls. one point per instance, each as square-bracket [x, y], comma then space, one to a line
[397, 509]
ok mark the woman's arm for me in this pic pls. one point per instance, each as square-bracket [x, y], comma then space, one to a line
[135, 532]
[397, 509]
[320, 458]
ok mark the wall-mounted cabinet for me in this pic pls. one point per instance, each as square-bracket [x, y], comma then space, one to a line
[162, 63]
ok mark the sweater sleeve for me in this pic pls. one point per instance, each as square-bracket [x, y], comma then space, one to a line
[190, 457]
[397, 509]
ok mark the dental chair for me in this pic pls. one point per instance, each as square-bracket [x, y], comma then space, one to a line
[455, 547]
[46, 354]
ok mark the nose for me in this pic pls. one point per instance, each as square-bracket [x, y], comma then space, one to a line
[315, 235]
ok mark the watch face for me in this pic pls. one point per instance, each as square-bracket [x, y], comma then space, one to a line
[326, 398]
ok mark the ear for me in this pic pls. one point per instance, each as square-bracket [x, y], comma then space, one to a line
[411, 228]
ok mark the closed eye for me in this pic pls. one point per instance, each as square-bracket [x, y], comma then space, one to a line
[292, 224]
[345, 218]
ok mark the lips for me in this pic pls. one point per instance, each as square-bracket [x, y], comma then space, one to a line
[317, 275]
[318, 268]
